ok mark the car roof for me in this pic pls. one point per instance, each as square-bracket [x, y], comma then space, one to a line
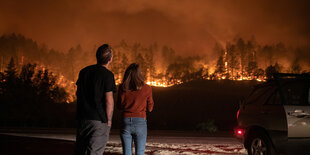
[281, 78]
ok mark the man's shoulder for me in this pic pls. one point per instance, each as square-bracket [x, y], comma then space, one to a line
[97, 71]
[90, 67]
[106, 71]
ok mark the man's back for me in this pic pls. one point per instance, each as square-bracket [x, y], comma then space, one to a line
[95, 104]
[93, 82]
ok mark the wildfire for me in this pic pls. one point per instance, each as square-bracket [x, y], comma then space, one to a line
[157, 83]
[69, 87]
[163, 83]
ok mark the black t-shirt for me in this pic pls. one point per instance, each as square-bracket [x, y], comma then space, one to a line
[93, 82]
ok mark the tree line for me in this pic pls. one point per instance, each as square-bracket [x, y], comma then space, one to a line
[31, 97]
[248, 58]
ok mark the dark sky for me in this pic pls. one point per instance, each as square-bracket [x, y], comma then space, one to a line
[188, 26]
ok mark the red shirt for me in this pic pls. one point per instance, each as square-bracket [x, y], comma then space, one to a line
[135, 103]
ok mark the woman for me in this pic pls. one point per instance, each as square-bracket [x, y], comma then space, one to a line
[134, 100]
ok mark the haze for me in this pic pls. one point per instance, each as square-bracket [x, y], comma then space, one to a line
[189, 27]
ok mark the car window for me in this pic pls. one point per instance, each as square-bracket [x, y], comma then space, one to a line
[274, 99]
[259, 95]
[296, 93]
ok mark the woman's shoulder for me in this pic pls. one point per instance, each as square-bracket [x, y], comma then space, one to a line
[146, 86]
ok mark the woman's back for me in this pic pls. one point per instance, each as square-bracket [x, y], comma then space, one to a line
[135, 103]
[134, 99]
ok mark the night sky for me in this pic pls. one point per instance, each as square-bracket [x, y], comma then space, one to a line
[188, 26]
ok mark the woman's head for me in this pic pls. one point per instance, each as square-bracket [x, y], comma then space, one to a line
[133, 79]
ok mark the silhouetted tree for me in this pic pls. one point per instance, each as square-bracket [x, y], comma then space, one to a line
[268, 52]
[11, 71]
[220, 66]
[295, 66]
[241, 47]
[270, 70]
[259, 72]
[150, 61]
[141, 61]
[232, 58]
[252, 67]
[124, 63]
[27, 73]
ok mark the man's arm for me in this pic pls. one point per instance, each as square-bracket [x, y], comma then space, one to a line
[109, 106]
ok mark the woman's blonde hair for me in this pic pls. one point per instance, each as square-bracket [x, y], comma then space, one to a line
[133, 79]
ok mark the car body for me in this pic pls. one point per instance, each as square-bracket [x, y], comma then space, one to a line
[275, 118]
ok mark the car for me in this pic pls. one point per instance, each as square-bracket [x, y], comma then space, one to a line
[275, 117]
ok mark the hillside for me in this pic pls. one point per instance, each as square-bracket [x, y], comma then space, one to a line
[183, 107]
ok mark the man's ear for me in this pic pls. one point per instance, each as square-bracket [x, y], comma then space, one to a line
[110, 60]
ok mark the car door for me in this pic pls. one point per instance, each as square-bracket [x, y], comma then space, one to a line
[275, 117]
[296, 96]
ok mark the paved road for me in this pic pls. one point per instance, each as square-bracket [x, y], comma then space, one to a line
[161, 144]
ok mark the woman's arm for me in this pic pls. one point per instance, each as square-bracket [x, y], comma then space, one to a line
[150, 102]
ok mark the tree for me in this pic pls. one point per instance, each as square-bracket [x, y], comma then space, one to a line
[252, 67]
[124, 63]
[268, 52]
[233, 62]
[220, 66]
[168, 55]
[141, 61]
[150, 62]
[2, 79]
[174, 71]
[27, 73]
[270, 70]
[241, 48]
[11, 71]
[296, 67]
[116, 65]
[259, 72]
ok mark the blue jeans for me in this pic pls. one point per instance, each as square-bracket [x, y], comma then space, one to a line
[134, 129]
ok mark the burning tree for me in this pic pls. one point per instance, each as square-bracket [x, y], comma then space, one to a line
[237, 60]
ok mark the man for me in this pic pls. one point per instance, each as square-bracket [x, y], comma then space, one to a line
[95, 87]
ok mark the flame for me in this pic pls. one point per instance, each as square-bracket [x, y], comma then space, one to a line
[163, 82]
[158, 77]
[69, 86]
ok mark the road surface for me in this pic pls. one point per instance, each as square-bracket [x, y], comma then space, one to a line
[157, 143]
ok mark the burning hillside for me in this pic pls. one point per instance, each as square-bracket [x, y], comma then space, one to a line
[161, 65]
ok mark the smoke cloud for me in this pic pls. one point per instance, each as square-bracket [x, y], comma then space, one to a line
[189, 27]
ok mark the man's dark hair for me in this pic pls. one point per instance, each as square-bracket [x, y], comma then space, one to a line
[104, 54]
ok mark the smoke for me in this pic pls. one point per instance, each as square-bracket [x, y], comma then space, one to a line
[189, 27]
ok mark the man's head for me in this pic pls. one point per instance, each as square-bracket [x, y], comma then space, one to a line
[104, 54]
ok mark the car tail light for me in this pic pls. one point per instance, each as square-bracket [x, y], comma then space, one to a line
[238, 114]
[239, 132]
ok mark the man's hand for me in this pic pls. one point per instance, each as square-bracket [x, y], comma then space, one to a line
[109, 123]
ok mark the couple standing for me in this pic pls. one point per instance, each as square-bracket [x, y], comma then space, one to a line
[95, 105]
